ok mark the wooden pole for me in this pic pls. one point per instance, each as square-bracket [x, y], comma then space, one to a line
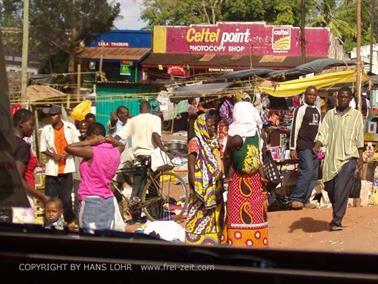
[78, 82]
[101, 58]
[303, 39]
[68, 103]
[25, 49]
[372, 24]
[358, 53]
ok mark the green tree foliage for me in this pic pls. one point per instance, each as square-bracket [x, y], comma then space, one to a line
[181, 12]
[338, 15]
[334, 14]
[176, 12]
[58, 27]
[248, 10]
[65, 24]
[11, 17]
[171, 12]
[285, 15]
[10, 13]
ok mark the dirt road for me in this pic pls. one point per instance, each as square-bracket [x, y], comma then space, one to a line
[308, 229]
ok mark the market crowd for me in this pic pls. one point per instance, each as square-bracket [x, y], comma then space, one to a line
[228, 180]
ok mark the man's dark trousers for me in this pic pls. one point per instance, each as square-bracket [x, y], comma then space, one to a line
[339, 189]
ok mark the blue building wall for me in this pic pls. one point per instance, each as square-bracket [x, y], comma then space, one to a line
[135, 38]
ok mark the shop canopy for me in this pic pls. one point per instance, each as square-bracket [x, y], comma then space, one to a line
[296, 87]
[38, 93]
[132, 54]
[315, 66]
[202, 90]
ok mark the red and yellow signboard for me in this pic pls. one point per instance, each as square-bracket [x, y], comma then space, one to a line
[239, 38]
[177, 70]
[281, 38]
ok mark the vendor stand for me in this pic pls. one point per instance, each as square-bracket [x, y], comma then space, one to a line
[328, 80]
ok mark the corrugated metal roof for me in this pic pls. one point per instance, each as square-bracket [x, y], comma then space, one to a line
[239, 61]
[114, 53]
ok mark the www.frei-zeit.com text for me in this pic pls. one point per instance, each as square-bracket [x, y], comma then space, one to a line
[112, 267]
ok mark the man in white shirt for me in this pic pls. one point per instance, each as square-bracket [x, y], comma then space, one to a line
[118, 121]
[59, 165]
[145, 132]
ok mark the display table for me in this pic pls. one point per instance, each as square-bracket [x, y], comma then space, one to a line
[287, 165]
[277, 136]
[287, 162]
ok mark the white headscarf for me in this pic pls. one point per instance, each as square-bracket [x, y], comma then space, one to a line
[246, 119]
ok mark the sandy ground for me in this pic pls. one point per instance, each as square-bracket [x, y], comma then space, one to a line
[308, 229]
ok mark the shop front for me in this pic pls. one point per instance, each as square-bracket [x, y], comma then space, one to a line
[232, 46]
[118, 54]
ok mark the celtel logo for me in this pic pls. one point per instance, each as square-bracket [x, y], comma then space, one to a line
[281, 39]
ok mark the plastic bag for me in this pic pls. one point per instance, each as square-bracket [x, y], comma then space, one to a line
[81, 110]
[356, 188]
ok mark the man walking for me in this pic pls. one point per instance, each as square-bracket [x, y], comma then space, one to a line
[59, 165]
[304, 128]
[342, 133]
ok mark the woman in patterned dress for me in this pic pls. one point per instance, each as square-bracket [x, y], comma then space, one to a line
[247, 223]
[206, 207]
[225, 110]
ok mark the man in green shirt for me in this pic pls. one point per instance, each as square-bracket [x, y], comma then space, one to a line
[343, 135]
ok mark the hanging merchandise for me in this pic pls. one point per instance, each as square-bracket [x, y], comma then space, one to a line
[166, 106]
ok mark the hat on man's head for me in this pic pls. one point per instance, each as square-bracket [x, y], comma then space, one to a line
[55, 110]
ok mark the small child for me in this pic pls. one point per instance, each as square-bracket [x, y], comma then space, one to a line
[53, 214]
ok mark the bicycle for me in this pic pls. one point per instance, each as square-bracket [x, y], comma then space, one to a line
[165, 195]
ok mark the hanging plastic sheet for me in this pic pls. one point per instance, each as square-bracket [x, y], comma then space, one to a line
[295, 87]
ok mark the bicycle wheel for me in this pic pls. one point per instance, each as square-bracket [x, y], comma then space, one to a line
[122, 201]
[165, 197]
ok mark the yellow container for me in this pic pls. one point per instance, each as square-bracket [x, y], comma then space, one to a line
[166, 178]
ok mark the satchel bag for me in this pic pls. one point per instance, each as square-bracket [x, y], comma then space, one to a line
[271, 171]
[356, 188]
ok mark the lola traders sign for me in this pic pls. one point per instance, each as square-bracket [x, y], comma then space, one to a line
[239, 38]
